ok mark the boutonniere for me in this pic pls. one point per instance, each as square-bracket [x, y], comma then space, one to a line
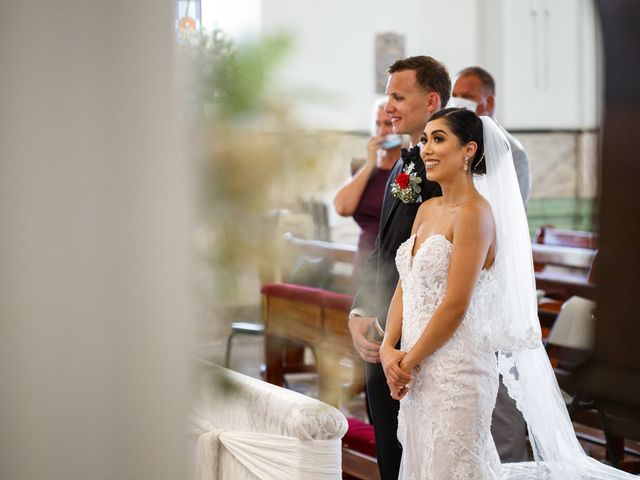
[407, 185]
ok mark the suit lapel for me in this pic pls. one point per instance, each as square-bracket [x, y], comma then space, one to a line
[394, 205]
[390, 202]
[393, 201]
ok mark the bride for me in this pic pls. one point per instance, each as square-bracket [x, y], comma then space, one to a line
[466, 293]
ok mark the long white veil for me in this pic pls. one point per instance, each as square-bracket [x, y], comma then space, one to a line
[514, 332]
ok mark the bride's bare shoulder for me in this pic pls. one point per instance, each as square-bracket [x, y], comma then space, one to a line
[477, 204]
[476, 212]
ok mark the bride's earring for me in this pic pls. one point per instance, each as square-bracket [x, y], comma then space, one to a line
[466, 163]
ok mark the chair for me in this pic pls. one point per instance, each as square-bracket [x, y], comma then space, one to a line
[283, 220]
[573, 329]
[569, 345]
[294, 354]
[241, 328]
[310, 313]
[308, 268]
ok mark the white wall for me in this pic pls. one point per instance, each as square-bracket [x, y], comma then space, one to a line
[330, 76]
[335, 55]
[238, 18]
[548, 75]
[335, 49]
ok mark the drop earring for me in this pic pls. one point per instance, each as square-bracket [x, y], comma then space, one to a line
[466, 163]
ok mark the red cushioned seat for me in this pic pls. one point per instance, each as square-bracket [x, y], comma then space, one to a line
[360, 437]
[337, 301]
[290, 291]
[312, 295]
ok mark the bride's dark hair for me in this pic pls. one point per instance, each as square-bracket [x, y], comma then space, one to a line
[467, 126]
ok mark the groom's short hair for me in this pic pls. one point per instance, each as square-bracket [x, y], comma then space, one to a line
[431, 74]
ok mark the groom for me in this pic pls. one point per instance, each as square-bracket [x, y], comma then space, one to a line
[417, 88]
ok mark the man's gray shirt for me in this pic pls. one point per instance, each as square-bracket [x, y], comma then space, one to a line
[521, 163]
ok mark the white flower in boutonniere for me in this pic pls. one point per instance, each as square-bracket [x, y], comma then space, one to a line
[407, 185]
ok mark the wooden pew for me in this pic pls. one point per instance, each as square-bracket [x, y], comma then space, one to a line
[563, 262]
[572, 250]
[339, 256]
[319, 318]
[563, 271]
[316, 317]
[549, 235]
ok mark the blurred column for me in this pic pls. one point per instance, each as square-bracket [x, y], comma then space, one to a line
[94, 232]
[613, 374]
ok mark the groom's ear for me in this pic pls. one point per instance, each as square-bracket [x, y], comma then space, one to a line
[433, 102]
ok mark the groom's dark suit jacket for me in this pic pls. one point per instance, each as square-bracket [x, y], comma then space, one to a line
[378, 282]
[380, 276]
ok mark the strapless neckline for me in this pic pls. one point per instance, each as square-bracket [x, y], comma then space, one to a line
[414, 237]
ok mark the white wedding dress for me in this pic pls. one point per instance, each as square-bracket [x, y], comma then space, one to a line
[444, 424]
[445, 418]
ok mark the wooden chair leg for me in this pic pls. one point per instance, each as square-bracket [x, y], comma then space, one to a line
[329, 384]
[274, 358]
[293, 353]
[358, 380]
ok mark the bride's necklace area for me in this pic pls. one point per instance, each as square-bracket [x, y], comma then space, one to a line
[453, 206]
[464, 194]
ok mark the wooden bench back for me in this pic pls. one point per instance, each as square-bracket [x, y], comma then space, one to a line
[564, 262]
[570, 258]
[340, 257]
[336, 252]
[549, 235]
[576, 248]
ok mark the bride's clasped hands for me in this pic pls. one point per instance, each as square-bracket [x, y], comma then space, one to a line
[396, 370]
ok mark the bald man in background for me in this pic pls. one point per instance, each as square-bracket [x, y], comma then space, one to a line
[475, 89]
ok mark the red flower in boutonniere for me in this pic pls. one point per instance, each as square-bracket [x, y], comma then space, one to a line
[407, 185]
[403, 180]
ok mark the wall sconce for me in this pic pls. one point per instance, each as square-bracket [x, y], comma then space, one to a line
[189, 16]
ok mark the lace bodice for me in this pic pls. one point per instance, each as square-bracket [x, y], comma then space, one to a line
[424, 285]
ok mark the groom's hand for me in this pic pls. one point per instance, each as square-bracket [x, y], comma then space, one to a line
[368, 351]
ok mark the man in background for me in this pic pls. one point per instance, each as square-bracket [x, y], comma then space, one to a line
[475, 89]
